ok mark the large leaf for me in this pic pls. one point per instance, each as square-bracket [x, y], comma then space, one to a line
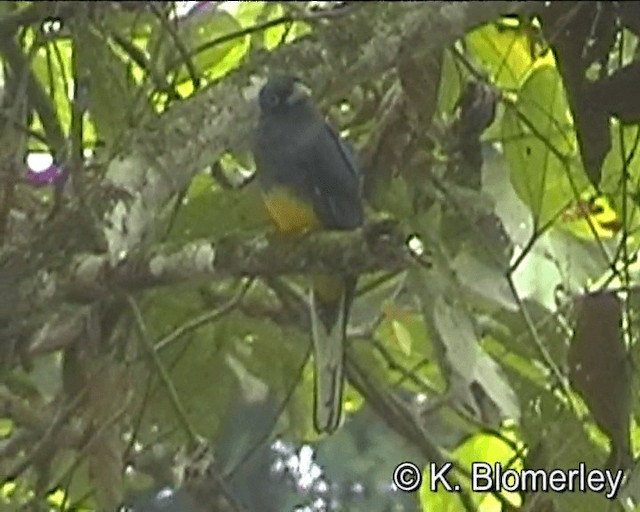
[112, 100]
[217, 59]
[487, 283]
[623, 162]
[470, 364]
[506, 53]
[541, 148]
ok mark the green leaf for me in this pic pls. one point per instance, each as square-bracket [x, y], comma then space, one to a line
[560, 258]
[219, 59]
[478, 448]
[6, 427]
[624, 159]
[471, 364]
[195, 365]
[110, 87]
[450, 85]
[487, 283]
[613, 167]
[541, 148]
[136, 25]
[513, 213]
[208, 210]
[506, 53]
[249, 13]
[52, 68]
[403, 336]
[80, 489]
[273, 36]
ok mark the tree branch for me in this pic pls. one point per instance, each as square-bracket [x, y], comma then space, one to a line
[377, 246]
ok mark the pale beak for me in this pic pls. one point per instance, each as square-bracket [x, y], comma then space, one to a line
[300, 92]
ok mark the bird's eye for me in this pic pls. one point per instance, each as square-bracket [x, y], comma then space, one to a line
[273, 100]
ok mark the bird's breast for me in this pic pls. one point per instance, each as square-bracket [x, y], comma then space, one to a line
[288, 212]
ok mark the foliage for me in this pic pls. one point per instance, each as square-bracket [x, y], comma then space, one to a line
[122, 376]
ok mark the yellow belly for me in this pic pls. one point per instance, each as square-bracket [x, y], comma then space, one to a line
[289, 214]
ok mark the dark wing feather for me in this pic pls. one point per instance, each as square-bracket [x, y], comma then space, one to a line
[334, 179]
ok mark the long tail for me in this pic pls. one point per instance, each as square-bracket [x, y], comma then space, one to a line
[330, 304]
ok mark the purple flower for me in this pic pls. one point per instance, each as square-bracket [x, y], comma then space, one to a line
[53, 175]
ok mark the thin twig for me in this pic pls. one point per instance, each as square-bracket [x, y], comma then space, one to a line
[172, 394]
[205, 318]
[187, 60]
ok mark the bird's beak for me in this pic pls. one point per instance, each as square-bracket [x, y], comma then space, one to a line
[300, 92]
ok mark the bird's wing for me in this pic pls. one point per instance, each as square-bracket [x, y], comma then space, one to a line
[333, 178]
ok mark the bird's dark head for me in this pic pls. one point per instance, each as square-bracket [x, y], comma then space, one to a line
[282, 93]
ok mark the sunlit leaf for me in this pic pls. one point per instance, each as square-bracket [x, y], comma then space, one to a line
[52, 67]
[624, 159]
[505, 53]
[450, 85]
[6, 427]
[211, 59]
[80, 489]
[590, 218]
[540, 146]
[402, 336]
[110, 87]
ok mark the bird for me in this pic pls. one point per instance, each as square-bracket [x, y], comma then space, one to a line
[311, 180]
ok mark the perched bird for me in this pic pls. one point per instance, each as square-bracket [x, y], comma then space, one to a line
[310, 180]
[600, 370]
